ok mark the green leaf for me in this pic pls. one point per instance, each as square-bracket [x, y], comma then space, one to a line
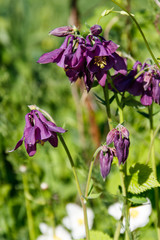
[94, 195]
[130, 101]
[97, 235]
[102, 101]
[138, 200]
[141, 179]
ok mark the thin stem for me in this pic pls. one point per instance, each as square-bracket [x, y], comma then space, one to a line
[140, 30]
[152, 143]
[90, 171]
[106, 96]
[123, 175]
[28, 208]
[150, 109]
[117, 232]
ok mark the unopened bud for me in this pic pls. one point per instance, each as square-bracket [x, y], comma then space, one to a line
[62, 31]
[96, 30]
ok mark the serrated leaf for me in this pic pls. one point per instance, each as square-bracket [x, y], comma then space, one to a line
[141, 179]
[97, 235]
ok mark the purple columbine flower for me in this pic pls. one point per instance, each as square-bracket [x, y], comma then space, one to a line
[38, 130]
[120, 137]
[101, 57]
[106, 158]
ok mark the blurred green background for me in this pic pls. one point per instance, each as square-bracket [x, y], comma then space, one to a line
[24, 28]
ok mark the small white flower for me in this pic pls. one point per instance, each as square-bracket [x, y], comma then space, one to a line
[49, 234]
[115, 210]
[22, 168]
[44, 186]
[138, 216]
[75, 220]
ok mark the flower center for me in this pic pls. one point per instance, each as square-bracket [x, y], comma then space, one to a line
[134, 212]
[56, 238]
[80, 221]
[100, 61]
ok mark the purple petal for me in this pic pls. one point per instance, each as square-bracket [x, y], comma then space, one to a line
[120, 64]
[146, 98]
[44, 133]
[19, 143]
[51, 56]
[106, 159]
[111, 136]
[55, 128]
[53, 140]
[31, 149]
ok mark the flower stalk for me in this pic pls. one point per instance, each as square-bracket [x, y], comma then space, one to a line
[28, 207]
[150, 110]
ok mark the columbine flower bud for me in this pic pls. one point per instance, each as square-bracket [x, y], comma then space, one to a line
[106, 158]
[96, 30]
[122, 147]
[62, 31]
[120, 137]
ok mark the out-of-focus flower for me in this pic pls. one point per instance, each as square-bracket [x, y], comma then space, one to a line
[48, 233]
[115, 210]
[38, 130]
[22, 168]
[106, 158]
[75, 220]
[44, 186]
[120, 137]
[138, 216]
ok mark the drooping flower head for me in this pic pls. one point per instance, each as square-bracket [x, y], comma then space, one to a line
[86, 57]
[120, 137]
[38, 130]
[106, 158]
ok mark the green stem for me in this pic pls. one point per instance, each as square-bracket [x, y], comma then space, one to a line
[90, 171]
[117, 232]
[123, 175]
[150, 109]
[28, 207]
[106, 96]
[140, 30]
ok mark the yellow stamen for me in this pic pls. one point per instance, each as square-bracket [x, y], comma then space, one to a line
[80, 221]
[100, 61]
[56, 238]
[133, 212]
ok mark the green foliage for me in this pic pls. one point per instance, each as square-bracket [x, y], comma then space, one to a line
[141, 179]
[96, 235]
